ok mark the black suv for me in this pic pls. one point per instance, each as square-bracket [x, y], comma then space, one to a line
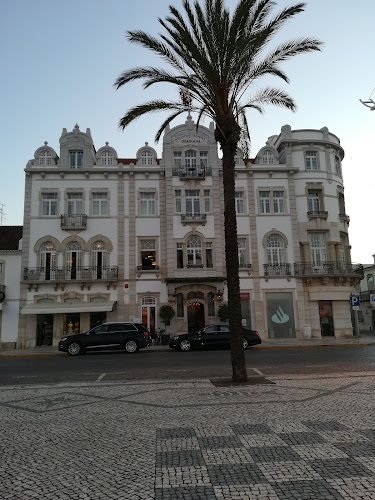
[129, 337]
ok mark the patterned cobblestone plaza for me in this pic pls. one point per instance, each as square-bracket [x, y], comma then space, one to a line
[286, 438]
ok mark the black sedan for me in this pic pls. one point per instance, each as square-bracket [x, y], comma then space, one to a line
[212, 336]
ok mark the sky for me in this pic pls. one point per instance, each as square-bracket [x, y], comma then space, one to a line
[59, 61]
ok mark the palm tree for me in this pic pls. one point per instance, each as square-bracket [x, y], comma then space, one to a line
[215, 58]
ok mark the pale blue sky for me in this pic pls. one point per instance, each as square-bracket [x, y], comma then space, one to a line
[59, 60]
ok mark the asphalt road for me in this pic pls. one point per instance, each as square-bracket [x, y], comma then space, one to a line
[154, 365]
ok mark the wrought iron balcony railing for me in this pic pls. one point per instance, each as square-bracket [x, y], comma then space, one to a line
[323, 214]
[70, 221]
[148, 267]
[198, 171]
[186, 218]
[244, 265]
[92, 273]
[277, 270]
[2, 293]
[328, 268]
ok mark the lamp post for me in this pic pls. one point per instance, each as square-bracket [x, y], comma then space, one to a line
[369, 104]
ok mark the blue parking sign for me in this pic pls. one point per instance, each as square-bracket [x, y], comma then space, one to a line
[354, 300]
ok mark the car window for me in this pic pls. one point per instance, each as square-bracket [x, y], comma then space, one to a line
[98, 329]
[210, 329]
[224, 328]
[130, 328]
[116, 327]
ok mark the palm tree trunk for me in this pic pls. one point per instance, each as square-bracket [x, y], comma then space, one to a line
[229, 149]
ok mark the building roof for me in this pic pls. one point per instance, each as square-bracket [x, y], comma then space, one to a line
[10, 237]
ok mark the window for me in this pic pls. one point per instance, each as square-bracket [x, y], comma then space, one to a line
[148, 254]
[341, 204]
[242, 260]
[342, 248]
[318, 248]
[370, 282]
[191, 160]
[180, 256]
[207, 207]
[45, 158]
[236, 160]
[203, 158]
[99, 258]
[264, 202]
[75, 203]
[147, 158]
[192, 202]
[209, 262]
[178, 200]
[268, 158]
[194, 251]
[147, 203]
[180, 305]
[177, 160]
[47, 259]
[76, 159]
[107, 158]
[275, 248]
[239, 202]
[313, 201]
[211, 303]
[311, 160]
[49, 204]
[99, 204]
[337, 165]
[74, 259]
[278, 202]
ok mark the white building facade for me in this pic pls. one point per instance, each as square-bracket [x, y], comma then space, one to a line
[113, 239]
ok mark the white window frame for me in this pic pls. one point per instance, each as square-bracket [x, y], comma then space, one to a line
[318, 248]
[147, 203]
[264, 202]
[192, 201]
[50, 202]
[311, 160]
[76, 159]
[275, 249]
[45, 157]
[314, 200]
[268, 158]
[278, 201]
[75, 203]
[194, 251]
[107, 158]
[207, 201]
[148, 246]
[240, 204]
[147, 158]
[242, 252]
[100, 204]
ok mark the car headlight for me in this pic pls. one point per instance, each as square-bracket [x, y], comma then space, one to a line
[175, 338]
[65, 338]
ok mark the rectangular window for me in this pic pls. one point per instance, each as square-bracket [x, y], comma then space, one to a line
[211, 303]
[203, 157]
[192, 202]
[313, 201]
[311, 160]
[75, 203]
[180, 305]
[318, 252]
[180, 256]
[209, 262]
[76, 159]
[278, 202]
[207, 207]
[177, 160]
[147, 203]
[337, 165]
[178, 200]
[49, 204]
[99, 204]
[148, 254]
[264, 202]
[239, 202]
[242, 260]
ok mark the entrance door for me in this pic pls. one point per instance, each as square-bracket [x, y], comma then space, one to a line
[195, 316]
[44, 334]
[326, 318]
[149, 313]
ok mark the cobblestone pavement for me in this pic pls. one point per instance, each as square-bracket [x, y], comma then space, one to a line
[291, 438]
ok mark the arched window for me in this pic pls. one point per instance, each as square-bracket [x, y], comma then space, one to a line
[99, 259]
[74, 259]
[194, 251]
[268, 158]
[370, 282]
[45, 157]
[275, 248]
[147, 158]
[47, 260]
[107, 158]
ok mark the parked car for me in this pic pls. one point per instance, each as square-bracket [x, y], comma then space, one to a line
[129, 337]
[212, 336]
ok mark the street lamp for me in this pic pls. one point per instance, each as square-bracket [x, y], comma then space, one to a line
[369, 104]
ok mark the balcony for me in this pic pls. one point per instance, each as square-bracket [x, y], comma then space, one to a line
[188, 218]
[70, 221]
[93, 273]
[317, 214]
[277, 270]
[2, 293]
[344, 218]
[148, 267]
[192, 172]
[330, 268]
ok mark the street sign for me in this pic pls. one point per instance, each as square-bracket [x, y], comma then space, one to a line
[354, 301]
[372, 299]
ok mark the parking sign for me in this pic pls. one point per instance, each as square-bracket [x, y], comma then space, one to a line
[354, 300]
[372, 299]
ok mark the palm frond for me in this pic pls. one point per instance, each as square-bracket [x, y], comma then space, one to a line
[148, 107]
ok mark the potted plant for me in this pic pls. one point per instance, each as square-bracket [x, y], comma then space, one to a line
[223, 313]
[166, 313]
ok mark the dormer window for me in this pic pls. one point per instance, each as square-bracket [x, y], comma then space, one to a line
[147, 158]
[107, 158]
[268, 158]
[45, 158]
[76, 159]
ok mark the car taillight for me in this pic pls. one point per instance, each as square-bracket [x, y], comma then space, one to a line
[256, 333]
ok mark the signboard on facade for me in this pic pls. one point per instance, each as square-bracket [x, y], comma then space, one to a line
[372, 299]
[190, 138]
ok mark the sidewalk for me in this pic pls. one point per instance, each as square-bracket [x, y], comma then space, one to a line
[362, 340]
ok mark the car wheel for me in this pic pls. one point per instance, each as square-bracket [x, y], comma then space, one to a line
[131, 347]
[245, 344]
[185, 345]
[74, 349]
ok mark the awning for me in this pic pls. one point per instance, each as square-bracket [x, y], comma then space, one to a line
[67, 307]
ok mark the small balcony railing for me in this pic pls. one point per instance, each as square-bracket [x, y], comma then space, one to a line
[148, 267]
[244, 265]
[192, 172]
[322, 214]
[277, 270]
[93, 273]
[186, 218]
[329, 268]
[2, 293]
[69, 221]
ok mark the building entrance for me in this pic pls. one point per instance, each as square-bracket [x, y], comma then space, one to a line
[44, 333]
[195, 316]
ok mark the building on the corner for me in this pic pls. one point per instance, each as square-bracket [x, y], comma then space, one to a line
[107, 238]
[10, 278]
